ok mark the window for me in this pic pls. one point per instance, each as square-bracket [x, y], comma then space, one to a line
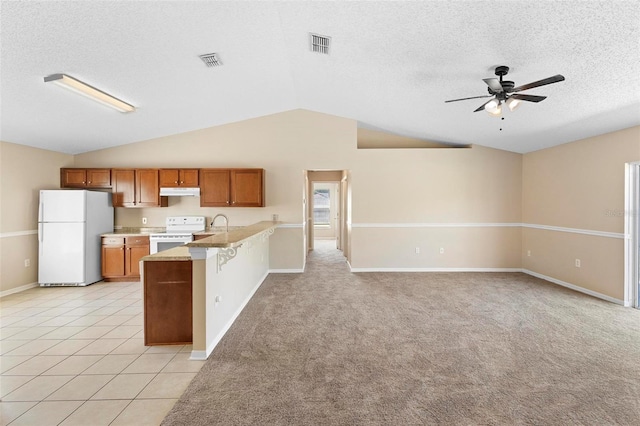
[321, 207]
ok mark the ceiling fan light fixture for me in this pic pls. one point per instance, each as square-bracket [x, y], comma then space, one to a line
[88, 91]
[513, 104]
[495, 111]
[493, 107]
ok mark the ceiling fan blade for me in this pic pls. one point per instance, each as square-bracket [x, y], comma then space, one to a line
[554, 79]
[528, 98]
[481, 107]
[494, 84]
[464, 99]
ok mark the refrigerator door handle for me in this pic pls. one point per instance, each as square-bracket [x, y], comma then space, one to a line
[41, 212]
[40, 231]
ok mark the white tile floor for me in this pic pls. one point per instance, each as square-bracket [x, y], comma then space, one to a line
[75, 356]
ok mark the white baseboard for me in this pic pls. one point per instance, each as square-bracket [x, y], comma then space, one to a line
[286, 271]
[227, 326]
[198, 356]
[18, 289]
[526, 271]
[576, 288]
[434, 269]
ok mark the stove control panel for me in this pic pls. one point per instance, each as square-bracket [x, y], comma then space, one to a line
[185, 220]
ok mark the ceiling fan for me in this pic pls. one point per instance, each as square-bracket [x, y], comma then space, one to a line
[504, 92]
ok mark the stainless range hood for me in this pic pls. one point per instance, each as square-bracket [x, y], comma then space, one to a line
[180, 192]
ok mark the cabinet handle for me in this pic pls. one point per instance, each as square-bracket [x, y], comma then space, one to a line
[175, 182]
[89, 182]
[181, 181]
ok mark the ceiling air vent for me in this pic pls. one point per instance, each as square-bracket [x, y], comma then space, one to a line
[319, 43]
[211, 59]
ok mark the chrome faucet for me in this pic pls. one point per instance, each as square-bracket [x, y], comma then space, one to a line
[226, 220]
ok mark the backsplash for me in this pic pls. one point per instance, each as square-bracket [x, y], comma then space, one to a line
[188, 206]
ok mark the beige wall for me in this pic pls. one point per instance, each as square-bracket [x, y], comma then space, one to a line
[468, 201]
[579, 185]
[405, 200]
[24, 172]
[388, 186]
[283, 144]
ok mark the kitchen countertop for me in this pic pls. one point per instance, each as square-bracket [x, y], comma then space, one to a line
[132, 232]
[180, 253]
[233, 238]
[217, 230]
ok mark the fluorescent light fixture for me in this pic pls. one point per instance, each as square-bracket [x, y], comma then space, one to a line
[90, 92]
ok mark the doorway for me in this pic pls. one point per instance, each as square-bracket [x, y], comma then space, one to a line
[327, 213]
[632, 235]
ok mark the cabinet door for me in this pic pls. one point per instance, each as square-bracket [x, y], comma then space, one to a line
[73, 178]
[189, 178]
[169, 178]
[124, 188]
[168, 303]
[99, 178]
[147, 188]
[214, 188]
[134, 254]
[113, 261]
[247, 188]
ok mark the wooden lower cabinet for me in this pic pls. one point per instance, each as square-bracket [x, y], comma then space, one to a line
[121, 257]
[168, 303]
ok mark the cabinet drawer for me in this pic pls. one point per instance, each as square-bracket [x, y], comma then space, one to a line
[137, 241]
[112, 241]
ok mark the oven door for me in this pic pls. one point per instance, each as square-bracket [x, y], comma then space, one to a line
[157, 244]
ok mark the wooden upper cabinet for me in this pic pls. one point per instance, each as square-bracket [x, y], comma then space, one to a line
[247, 188]
[147, 188]
[215, 188]
[171, 178]
[137, 188]
[124, 187]
[232, 187]
[85, 178]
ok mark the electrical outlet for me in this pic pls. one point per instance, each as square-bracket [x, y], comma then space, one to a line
[417, 250]
[144, 220]
[441, 250]
[529, 253]
[577, 263]
[27, 263]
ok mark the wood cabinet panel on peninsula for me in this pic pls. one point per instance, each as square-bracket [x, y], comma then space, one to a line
[85, 178]
[121, 257]
[168, 303]
[172, 178]
[232, 187]
[136, 188]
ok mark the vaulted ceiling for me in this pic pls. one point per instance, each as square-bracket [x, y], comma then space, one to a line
[391, 67]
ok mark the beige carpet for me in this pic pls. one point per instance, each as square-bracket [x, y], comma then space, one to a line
[330, 347]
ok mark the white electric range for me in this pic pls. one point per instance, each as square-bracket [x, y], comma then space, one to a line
[179, 231]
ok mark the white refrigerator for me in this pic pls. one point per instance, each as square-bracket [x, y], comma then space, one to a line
[69, 226]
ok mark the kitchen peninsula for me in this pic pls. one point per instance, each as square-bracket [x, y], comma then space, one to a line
[224, 270]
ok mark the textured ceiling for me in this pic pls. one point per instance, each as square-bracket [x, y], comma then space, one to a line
[392, 66]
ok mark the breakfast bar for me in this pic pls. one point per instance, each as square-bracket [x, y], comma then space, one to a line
[194, 293]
